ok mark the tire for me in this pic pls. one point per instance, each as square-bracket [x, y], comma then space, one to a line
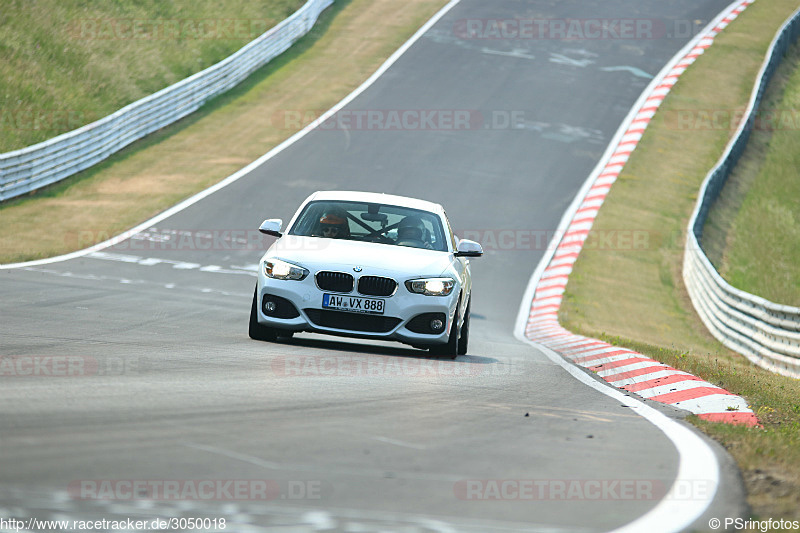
[463, 339]
[450, 349]
[258, 331]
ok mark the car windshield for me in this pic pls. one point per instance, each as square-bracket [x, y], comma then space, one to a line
[369, 222]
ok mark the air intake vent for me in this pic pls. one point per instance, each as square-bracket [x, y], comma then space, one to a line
[335, 281]
[376, 286]
[356, 322]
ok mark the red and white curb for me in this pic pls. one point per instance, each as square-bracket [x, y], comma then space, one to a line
[620, 367]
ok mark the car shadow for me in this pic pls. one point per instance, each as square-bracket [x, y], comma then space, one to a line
[354, 347]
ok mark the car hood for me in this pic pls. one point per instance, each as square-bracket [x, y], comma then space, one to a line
[317, 254]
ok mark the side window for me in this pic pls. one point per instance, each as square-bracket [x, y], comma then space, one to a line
[450, 235]
[433, 234]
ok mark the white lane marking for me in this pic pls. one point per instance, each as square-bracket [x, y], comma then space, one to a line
[256, 461]
[611, 359]
[255, 164]
[696, 459]
[629, 368]
[252, 267]
[249, 270]
[399, 443]
[317, 468]
[319, 520]
[677, 386]
[564, 60]
[647, 377]
[122, 258]
[584, 352]
[126, 281]
[715, 403]
[696, 462]
[516, 53]
[639, 73]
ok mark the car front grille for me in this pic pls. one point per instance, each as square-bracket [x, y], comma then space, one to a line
[335, 281]
[376, 286]
[352, 321]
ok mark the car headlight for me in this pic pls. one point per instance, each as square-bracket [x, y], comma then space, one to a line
[278, 269]
[431, 286]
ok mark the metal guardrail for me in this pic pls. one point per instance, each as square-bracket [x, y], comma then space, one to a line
[765, 332]
[36, 166]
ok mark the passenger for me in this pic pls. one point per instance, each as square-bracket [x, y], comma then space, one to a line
[333, 226]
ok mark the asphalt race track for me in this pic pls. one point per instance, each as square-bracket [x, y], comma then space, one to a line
[165, 385]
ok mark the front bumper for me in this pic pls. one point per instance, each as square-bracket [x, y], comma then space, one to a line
[307, 313]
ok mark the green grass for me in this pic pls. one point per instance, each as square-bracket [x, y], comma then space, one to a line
[350, 41]
[753, 230]
[636, 297]
[66, 63]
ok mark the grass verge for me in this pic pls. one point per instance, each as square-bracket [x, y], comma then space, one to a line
[655, 195]
[753, 229]
[351, 40]
[66, 63]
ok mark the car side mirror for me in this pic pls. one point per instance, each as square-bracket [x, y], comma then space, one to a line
[468, 248]
[272, 227]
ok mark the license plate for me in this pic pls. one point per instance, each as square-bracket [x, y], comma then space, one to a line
[353, 304]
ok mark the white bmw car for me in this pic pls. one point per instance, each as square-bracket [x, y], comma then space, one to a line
[366, 265]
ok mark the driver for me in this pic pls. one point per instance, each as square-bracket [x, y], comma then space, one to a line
[411, 232]
[333, 226]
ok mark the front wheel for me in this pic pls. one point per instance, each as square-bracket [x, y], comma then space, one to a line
[258, 331]
[463, 339]
[450, 349]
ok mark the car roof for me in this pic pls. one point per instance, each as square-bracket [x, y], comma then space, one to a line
[377, 198]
